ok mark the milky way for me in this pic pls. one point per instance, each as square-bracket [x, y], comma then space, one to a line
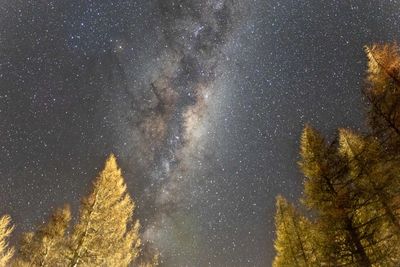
[167, 111]
[202, 102]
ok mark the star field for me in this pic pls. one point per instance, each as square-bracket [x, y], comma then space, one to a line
[203, 103]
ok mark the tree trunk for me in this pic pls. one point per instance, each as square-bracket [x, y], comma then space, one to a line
[359, 251]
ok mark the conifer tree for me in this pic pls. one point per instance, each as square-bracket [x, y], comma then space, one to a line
[105, 234]
[383, 94]
[46, 247]
[6, 253]
[373, 182]
[328, 190]
[294, 240]
[352, 185]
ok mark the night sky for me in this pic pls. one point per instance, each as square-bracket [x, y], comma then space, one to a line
[203, 103]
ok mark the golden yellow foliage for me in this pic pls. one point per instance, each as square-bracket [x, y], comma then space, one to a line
[312, 150]
[383, 93]
[296, 237]
[6, 229]
[106, 234]
[351, 185]
[46, 247]
[383, 66]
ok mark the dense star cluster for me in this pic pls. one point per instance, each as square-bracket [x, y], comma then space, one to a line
[202, 102]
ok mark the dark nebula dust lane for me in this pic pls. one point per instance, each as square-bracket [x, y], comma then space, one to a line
[202, 102]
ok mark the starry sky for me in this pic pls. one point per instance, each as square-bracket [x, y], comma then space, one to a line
[202, 102]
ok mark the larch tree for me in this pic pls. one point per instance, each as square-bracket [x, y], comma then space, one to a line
[352, 185]
[46, 246]
[329, 192]
[105, 233]
[294, 243]
[371, 179]
[6, 253]
[383, 94]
